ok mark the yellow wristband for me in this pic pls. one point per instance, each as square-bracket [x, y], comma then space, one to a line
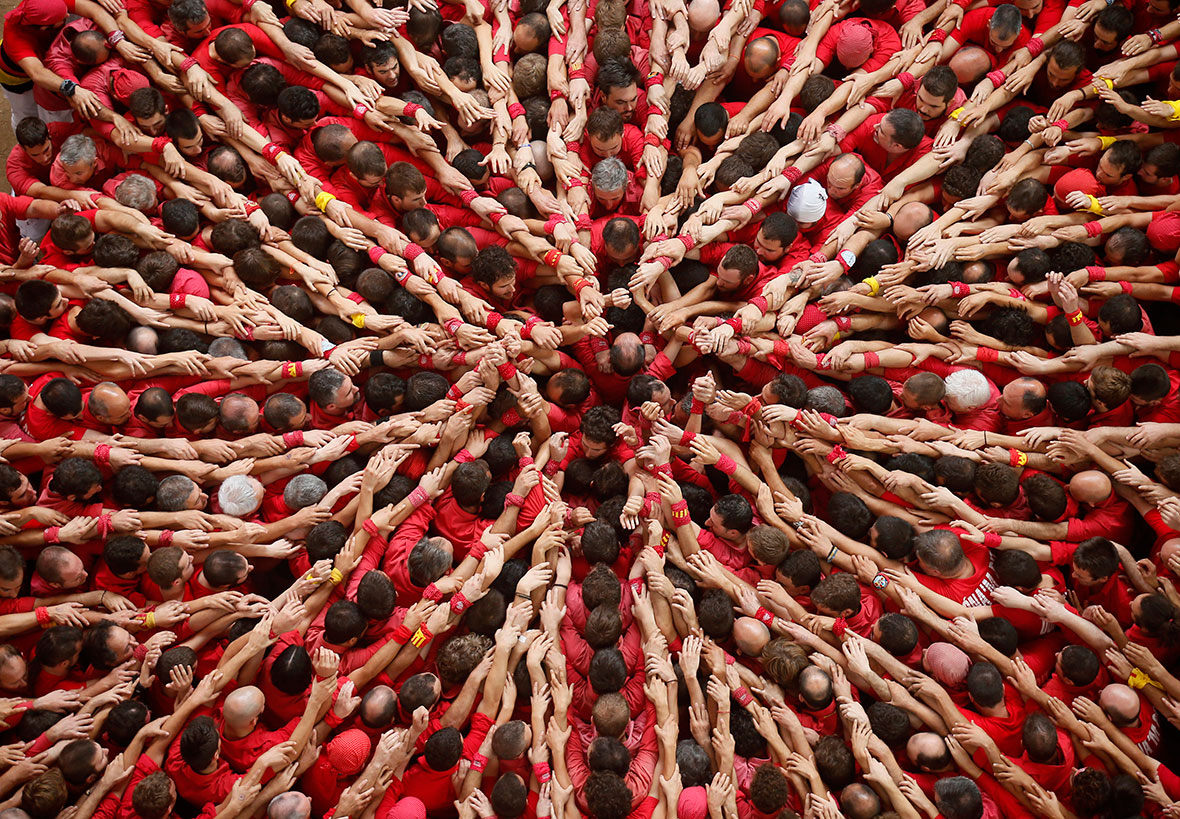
[1139, 679]
[1093, 206]
[418, 639]
[1106, 142]
[1175, 105]
[322, 199]
[836, 336]
[874, 285]
[1109, 82]
[337, 577]
[149, 620]
[1021, 459]
[358, 320]
[955, 114]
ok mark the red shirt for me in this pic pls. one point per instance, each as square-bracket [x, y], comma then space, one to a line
[861, 140]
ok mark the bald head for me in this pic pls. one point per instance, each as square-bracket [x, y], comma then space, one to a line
[1121, 703]
[1022, 398]
[844, 174]
[243, 706]
[1090, 487]
[970, 64]
[928, 751]
[378, 707]
[750, 635]
[239, 413]
[109, 404]
[911, 218]
[541, 160]
[859, 801]
[762, 55]
[289, 806]
[703, 15]
[627, 354]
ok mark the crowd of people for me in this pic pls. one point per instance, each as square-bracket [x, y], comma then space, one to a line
[631, 409]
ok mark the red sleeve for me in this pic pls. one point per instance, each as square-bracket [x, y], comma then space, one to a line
[643, 762]
[18, 168]
[1099, 521]
[577, 650]
[826, 50]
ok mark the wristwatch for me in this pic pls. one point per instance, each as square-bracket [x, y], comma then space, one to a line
[68, 87]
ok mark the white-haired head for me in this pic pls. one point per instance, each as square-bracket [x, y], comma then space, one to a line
[967, 390]
[240, 496]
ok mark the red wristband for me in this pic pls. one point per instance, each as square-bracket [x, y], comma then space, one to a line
[102, 454]
[516, 110]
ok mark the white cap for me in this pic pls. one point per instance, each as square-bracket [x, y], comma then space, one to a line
[808, 202]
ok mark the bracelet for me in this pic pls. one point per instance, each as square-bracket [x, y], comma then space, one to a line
[432, 593]
[149, 620]
[401, 634]
[874, 285]
[52, 534]
[1016, 458]
[1094, 229]
[43, 618]
[837, 454]
[992, 540]
[459, 603]
[322, 199]
[493, 320]
[959, 290]
[541, 771]
[516, 110]
[1035, 46]
[166, 537]
[507, 370]
[552, 257]
[832, 554]
[727, 465]
[765, 615]
[360, 110]
[412, 251]
[421, 637]
[479, 762]
[513, 499]
[1075, 318]
[336, 577]
[1140, 679]
[410, 109]
[880, 581]
[743, 696]
[1060, 123]
[753, 205]
[115, 37]
[293, 438]
[358, 320]
[418, 497]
